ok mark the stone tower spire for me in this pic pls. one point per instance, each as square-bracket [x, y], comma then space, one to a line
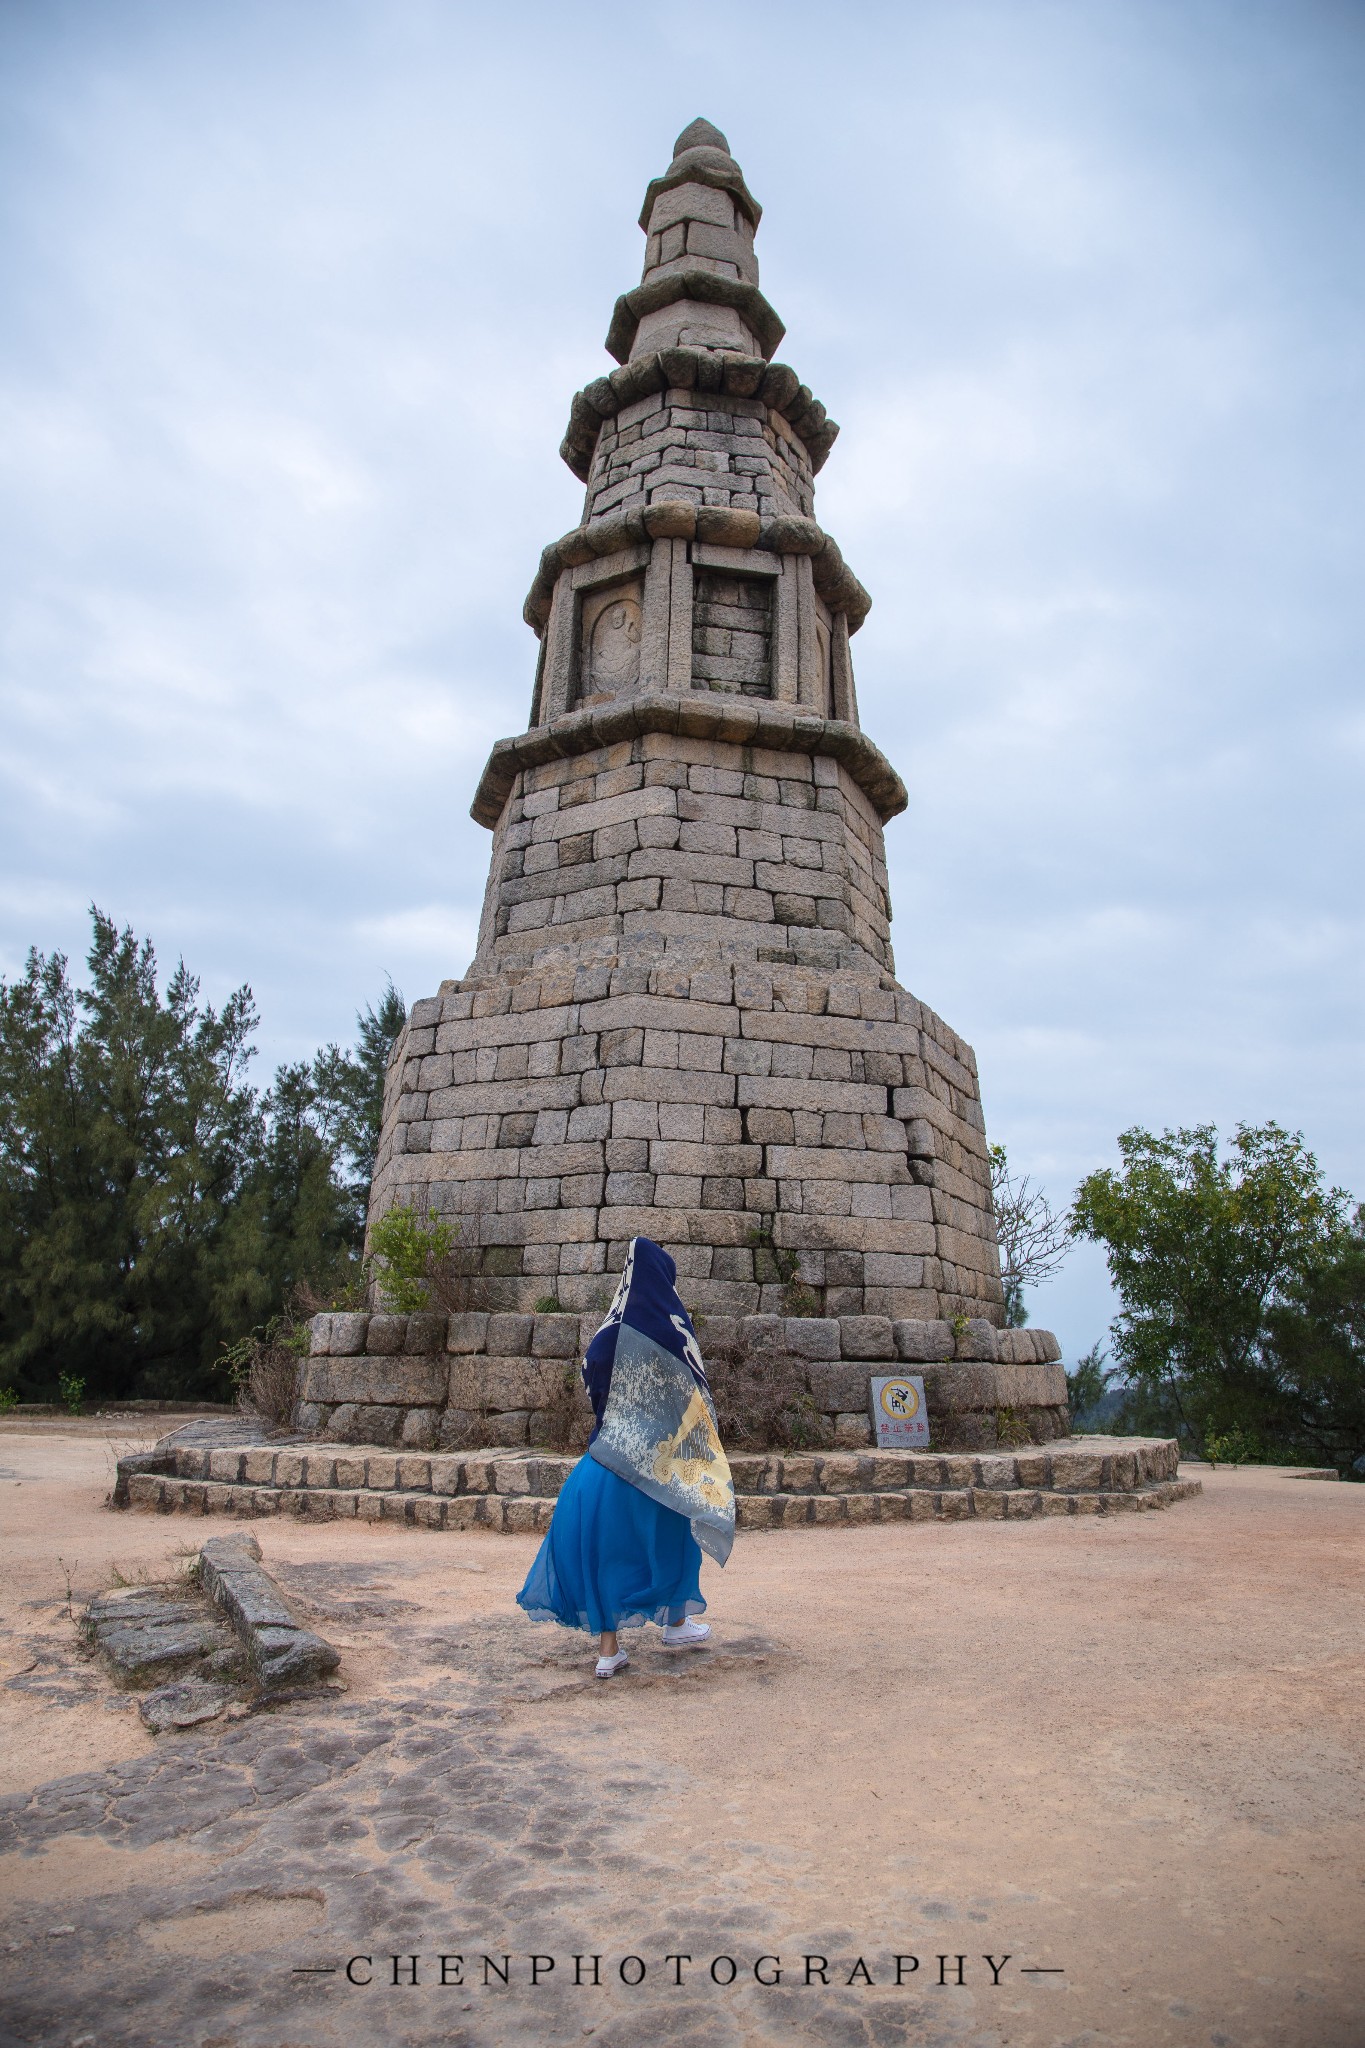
[682, 1018]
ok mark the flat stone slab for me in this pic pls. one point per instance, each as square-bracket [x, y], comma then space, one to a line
[153, 1633]
[281, 1651]
[184, 1705]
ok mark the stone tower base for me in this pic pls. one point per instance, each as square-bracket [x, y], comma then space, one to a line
[427, 1382]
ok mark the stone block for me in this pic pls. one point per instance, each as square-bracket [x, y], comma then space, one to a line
[813, 1337]
[1076, 1470]
[426, 1334]
[348, 1333]
[380, 1425]
[922, 1343]
[978, 1341]
[995, 1474]
[800, 1474]
[869, 1337]
[320, 1335]
[509, 1336]
[467, 1333]
[840, 1472]
[488, 1386]
[385, 1335]
[555, 1336]
[386, 1379]
[509, 1428]
[1020, 1506]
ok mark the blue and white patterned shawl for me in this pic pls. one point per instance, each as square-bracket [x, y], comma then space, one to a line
[656, 1421]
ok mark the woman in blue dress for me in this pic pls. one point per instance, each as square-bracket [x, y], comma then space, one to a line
[624, 1545]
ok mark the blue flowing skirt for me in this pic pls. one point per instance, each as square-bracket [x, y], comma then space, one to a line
[612, 1557]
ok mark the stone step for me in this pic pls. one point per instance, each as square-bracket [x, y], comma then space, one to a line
[529, 1514]
[1074, 1465]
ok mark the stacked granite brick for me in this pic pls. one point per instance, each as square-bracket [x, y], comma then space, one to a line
[427, 1382]
[682, 1017]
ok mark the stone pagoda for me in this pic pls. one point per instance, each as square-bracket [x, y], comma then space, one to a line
[683, 1018]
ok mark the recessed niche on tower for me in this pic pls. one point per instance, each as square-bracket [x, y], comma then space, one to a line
[732, 633]
[609, 630]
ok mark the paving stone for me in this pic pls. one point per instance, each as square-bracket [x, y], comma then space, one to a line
[184, 1704]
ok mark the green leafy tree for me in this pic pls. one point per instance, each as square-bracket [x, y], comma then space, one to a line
[126, 1132]
[1315, 1358]
[351, 1087]
[1205, 1251]
[153, 1205]
[1087, 1382]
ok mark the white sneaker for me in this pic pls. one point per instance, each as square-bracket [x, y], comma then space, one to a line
[607, 1667]
[685, 1634]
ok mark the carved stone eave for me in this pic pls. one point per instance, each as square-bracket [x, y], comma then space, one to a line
[740, 721]
[702, 287]
[696, 369]
[703, 167]
[835, 582]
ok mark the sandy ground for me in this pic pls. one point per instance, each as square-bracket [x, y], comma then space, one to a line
[1126, 1752]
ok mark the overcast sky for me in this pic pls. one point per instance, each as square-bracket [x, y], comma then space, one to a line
[295, 298]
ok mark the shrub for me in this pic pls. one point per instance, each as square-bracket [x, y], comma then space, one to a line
[1234, 1446]
[263, 1368]
[565, 1419]
[418, 1266]
[561, 1417]
[762, 1400]
[773, 1263]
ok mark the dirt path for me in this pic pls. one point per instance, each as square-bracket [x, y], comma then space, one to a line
[1128, 1750]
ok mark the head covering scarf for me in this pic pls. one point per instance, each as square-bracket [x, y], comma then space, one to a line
[657, 1425]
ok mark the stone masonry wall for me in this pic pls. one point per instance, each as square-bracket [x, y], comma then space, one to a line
[704, 447]
[777, 855]
[428, 1382]
[726, 1107]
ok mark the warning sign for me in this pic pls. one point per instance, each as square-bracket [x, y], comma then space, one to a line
[899, 1415]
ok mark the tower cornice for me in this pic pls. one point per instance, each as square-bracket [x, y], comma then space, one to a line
[696, 369]
[686, 283]
[737, 721]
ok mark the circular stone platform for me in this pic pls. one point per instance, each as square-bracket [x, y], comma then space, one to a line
[231, 1468]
